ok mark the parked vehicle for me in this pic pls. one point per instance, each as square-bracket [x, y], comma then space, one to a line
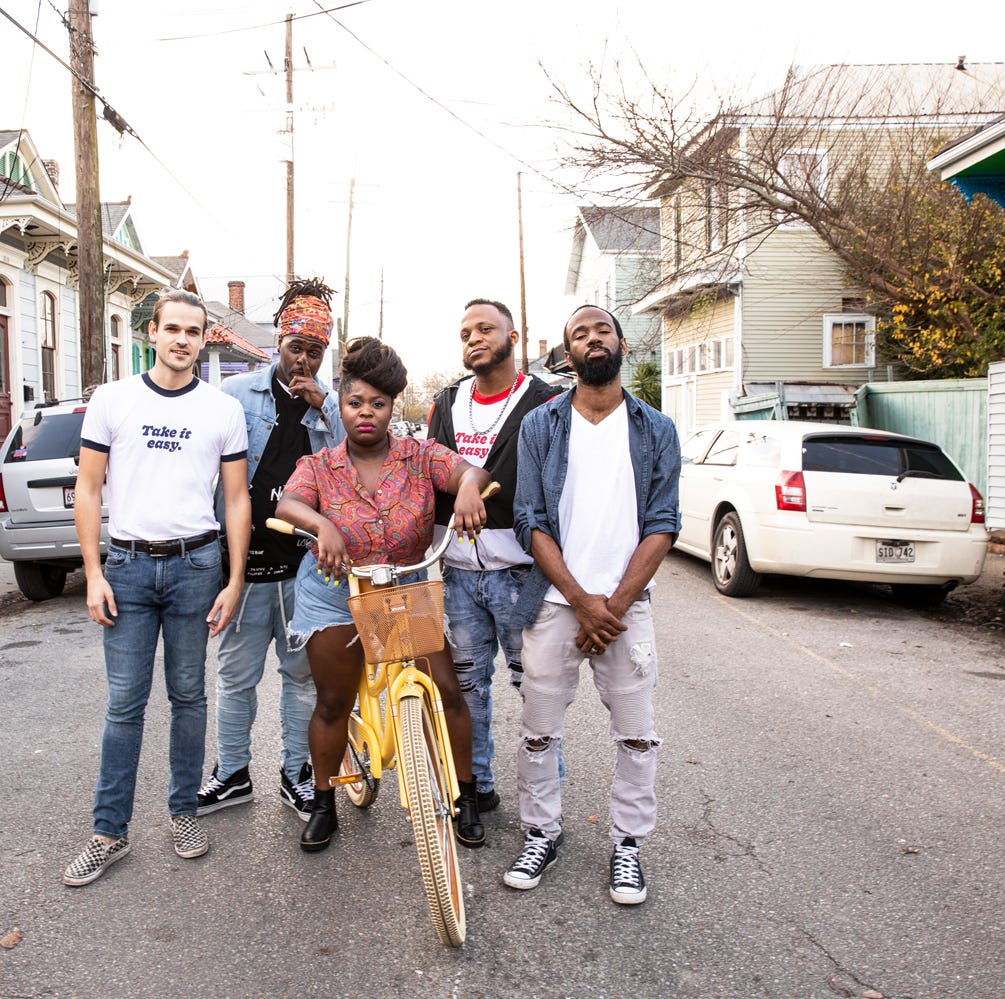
[38, 478]
[836, 502]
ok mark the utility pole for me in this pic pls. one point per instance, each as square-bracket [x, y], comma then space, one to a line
[90, 269]
[344, 336]
[523, 290]
[380, 322]
[290, 272]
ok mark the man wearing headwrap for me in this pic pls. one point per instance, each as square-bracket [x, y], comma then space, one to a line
[289, 413]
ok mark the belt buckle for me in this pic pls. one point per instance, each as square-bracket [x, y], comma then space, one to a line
[161, 549]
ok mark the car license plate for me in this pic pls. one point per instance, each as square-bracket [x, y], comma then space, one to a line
[894, 551]
[69, 496]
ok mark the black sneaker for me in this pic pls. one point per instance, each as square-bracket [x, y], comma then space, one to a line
[488, 801]
[233, 790]
[628, 886]
[538, 854]
[298, 796]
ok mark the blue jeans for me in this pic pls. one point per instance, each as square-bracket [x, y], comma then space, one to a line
[172, 595]
[477, 606]
[261, 619]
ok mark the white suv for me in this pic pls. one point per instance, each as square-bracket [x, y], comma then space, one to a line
[38, 477]
[837, 502]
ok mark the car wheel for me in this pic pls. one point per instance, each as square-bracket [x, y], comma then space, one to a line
[919, 595]
[730, 569]
[39, 581]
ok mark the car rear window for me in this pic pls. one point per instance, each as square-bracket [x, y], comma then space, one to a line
[44, 436]
[876, 456]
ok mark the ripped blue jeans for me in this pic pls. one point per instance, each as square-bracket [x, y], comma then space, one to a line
[625, 678]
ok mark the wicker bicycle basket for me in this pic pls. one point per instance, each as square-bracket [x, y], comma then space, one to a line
[399, 622]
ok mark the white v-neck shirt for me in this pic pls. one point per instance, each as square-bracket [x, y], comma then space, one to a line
[598, 512]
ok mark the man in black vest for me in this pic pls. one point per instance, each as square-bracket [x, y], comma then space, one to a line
[479, 417]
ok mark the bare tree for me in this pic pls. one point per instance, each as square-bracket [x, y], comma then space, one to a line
[840, 151]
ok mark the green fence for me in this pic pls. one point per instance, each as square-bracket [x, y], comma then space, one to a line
[952, 413]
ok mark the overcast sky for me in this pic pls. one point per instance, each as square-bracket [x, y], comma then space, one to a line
[433, 106]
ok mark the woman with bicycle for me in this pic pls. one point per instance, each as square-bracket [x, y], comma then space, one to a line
[370, 500]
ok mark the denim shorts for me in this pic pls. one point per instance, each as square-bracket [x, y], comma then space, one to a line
[321, 605]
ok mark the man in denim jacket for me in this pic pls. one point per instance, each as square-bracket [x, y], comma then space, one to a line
[597, 506]
[289, 413]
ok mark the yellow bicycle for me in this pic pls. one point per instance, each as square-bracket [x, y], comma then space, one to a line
[399, 718]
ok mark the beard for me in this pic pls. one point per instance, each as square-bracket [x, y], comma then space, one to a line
[598, 370]
[495, 358]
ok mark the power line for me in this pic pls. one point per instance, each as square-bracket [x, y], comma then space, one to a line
[255, 27]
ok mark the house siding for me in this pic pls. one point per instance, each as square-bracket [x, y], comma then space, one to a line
[995, 495]
[788, 287]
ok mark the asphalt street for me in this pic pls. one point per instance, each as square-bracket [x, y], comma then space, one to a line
[831, 816]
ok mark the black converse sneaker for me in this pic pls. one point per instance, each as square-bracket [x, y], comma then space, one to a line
[233, 790]
[628, 886]
[538, 854]
[97, 857]
[298, 796]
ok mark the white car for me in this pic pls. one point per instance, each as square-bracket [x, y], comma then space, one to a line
[38, 480]
[836, 502]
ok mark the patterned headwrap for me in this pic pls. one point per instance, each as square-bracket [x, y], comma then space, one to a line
[304, 311]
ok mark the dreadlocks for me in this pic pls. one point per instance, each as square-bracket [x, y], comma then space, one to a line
[304, 310]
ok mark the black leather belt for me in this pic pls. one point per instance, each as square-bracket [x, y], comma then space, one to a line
[162, 549]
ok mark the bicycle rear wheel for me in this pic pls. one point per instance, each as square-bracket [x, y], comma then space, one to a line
[431, 811]
[363, 792]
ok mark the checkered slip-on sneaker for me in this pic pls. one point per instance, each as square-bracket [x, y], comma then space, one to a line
[190, 839]
[97, 857]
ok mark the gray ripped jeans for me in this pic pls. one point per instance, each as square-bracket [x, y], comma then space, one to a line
[625, 677]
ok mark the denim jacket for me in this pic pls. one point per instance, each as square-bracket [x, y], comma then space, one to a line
[254, 392]
[543, 461]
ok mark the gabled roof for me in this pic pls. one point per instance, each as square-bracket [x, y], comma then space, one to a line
[975, 162]
[113, 215]
[251, 331]
[617, 231]
[903, 91]
[11, 139]
[623, 230]
[219, 334]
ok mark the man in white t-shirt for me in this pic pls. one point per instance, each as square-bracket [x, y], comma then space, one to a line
[162, 438]
[596, 505]
[479, 417]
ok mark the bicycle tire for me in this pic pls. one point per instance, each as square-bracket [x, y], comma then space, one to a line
[362, 793]
[431, 812]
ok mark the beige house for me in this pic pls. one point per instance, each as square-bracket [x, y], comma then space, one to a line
[759, 316]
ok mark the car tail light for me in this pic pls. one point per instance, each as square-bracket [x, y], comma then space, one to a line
[3, 498]
[976, 508]
[790, 492]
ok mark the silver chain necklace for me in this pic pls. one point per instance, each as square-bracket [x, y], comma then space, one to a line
[499, 415]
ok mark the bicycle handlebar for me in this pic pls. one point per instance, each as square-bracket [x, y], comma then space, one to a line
[383, 574]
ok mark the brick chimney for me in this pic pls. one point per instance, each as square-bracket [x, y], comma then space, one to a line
[52, 169]
[236, 291]
[542, 348]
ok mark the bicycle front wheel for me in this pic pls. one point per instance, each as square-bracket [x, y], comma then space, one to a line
[431, 812]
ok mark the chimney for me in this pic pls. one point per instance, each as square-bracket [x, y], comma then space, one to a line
[52, 169]
[542, 348]
[236, 290]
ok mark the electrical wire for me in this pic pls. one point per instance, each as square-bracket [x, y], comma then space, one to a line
[255, 27]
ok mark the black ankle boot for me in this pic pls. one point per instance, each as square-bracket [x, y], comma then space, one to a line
[470, 831]
[322, 823]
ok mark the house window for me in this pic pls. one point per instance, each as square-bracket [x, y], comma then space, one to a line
[48, 336]
[849, 340]
[802, 176]
[115, 355]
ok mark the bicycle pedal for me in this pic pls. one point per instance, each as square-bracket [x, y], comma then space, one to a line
[346, 779]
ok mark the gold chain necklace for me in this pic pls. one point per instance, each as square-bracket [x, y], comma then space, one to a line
[499, 415]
